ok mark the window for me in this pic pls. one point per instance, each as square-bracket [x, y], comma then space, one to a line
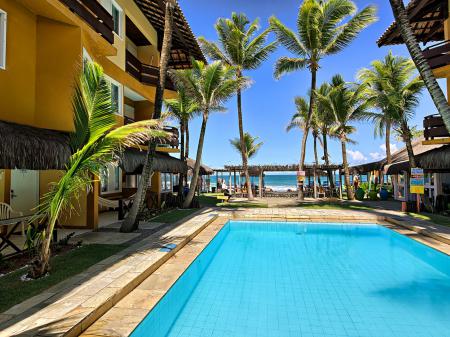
[116, 96]
[166, 182]
[110, 179]
[2, 39]
[86, 57]
[116, 13]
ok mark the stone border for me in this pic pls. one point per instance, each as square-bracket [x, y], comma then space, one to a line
[126, 315]
[70, 307]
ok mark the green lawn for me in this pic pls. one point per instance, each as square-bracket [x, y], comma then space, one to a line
[14, 291]
[173, 215]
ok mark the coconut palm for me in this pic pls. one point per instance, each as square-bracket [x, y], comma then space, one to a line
[401, 18]
[131, 221]
[183, 109]
[348, 103]
[390, 69]
[251, 144]
[323, 28]
[325, 121]
[239, 46]
[95, 142]
[209, 86]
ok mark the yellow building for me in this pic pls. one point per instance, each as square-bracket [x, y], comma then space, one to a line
[42, 47]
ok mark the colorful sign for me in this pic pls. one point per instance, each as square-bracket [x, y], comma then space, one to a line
[417, 181]
[301, 176]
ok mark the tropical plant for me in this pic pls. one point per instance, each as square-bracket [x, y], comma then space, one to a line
[239, 46]
[348, 103]
[321, 31]
[95, 142]
[251, 144]
[209, 86]
[183, 109]
[390, 69]
[131, 222]
[415, 132]
[438, 97]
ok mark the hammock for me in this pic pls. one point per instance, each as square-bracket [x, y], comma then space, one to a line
[111, 203]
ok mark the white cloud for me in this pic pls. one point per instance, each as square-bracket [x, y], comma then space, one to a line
[376, 155]
[382, 154]
[394, 148]
[356, 156]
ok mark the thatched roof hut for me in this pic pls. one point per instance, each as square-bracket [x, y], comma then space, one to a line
[31, 148]
[204, 170]
[132, 162]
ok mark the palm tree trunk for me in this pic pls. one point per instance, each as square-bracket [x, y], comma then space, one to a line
[350, 195]
[301, 165]
[182, 158]
[241, 139]
[401, 17]
[187, 140]
[327, 159]
[406, 135]
[316, 157]
[198, 159]
[388, 142]
[131, 222]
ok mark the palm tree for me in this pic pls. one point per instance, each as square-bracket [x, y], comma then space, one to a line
[348, 103]
[325, 121]
[321, 31]
[401, 18]
[209, 86]
[95, 142]
[183, 109]
[251, 144]
[390, 69]
[239, 47]
[131, 221]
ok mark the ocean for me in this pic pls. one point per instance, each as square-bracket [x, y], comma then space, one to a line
[277, 182]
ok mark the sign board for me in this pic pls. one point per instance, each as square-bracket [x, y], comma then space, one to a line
[301, 176]
[417, 181]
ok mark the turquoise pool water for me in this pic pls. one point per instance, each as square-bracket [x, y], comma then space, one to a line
[296, 279]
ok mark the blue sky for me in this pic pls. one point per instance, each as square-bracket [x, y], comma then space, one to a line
[268, 104]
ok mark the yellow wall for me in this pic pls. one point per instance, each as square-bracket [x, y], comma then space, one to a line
[17, 82]
[143, 110]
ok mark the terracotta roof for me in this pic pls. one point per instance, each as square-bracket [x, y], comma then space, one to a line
[184, 43]
[427, 21]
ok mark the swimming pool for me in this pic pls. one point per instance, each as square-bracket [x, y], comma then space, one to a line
[307, 279]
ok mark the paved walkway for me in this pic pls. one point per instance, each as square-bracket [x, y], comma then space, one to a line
[71, 306]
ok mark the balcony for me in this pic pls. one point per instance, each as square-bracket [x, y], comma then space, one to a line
[438, 55]
[144, 73]
[95, 16]
[434, 127]
[173, 142]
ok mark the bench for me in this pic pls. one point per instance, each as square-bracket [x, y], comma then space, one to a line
[223, 198]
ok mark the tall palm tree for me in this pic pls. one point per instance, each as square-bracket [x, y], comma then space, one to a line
[183, 109]
[323, 28]
[239, 47]
[209, 86]
[401, 18]
[348, 103]
[299, 120]
[389, 69]
[251, 145]
[95, 142]
[325, 120]
[131, 222]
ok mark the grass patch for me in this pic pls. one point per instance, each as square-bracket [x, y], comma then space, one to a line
[174, 215]
[14, 291]
[243, 204]
[434, 218]
[334, 205]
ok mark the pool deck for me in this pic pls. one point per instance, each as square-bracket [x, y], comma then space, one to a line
[113, 296]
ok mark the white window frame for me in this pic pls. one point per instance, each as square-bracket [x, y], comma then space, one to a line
[120, 100]
[3, 27]
[108, 180]
[121, 15]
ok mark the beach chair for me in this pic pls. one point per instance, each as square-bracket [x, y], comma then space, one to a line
[6, 212]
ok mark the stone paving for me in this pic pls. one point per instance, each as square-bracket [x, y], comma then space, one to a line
[73, 305]
[112, 297]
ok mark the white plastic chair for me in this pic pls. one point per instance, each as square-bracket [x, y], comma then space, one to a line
[6, 212]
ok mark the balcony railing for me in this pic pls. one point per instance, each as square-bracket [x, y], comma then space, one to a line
[144, 73]
[173, 141]
[438, 55]
[434, 127]
[95, 15]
